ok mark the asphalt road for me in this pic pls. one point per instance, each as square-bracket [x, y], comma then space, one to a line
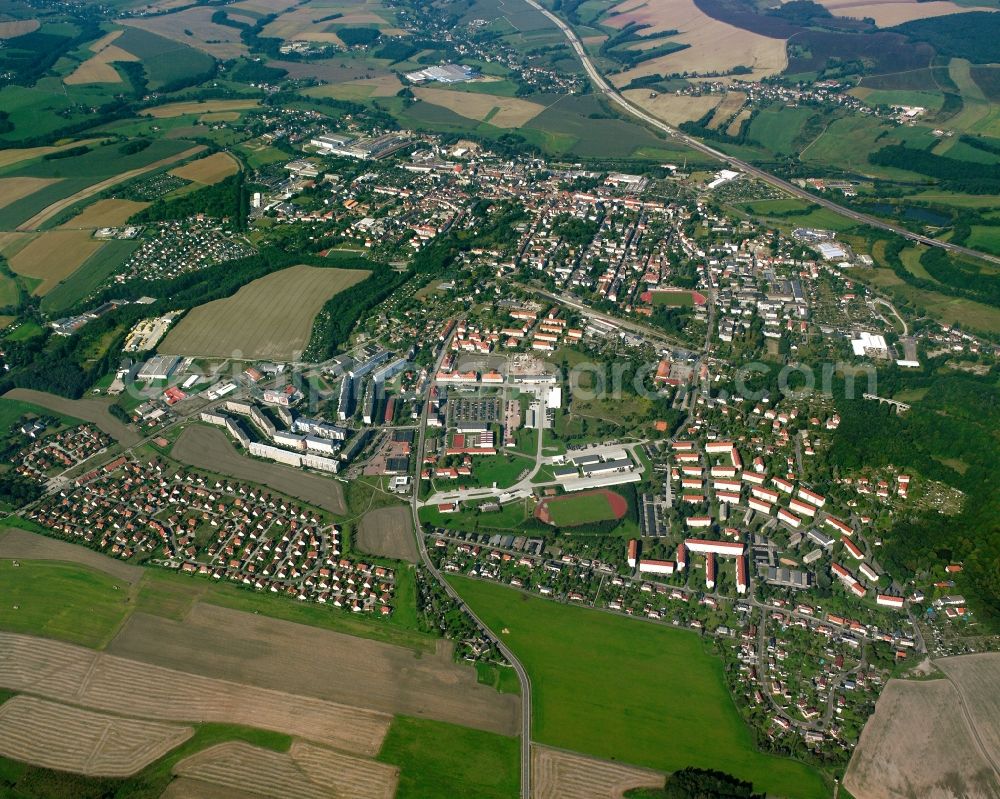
[612, 94]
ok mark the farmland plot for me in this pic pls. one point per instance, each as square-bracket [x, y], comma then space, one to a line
[918, 743]
[99, 681]
[269, 318]
[208, 171]
[563, 775]
[22, 545]
[11, 29]
[501, 112]
[98, 68]
[54, 256]
[104, 213]
[977, 680]
[220, 41]
[673, 108]
[193, 107]
[14, 189]
[273, 654]
[305, 771]
[90, 410]
[888, 13]
[715, 46]
[66, 738]
[388, 532]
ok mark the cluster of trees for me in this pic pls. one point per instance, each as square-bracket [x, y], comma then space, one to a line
[698, 783]
[17, 490]
[972, 36]
[954, 173]
[226, 199]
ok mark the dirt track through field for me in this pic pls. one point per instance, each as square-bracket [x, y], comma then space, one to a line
[90, 410]
[565, 775]
[22, 545]
[305, 772]
[66, 738]
[210, 449]
[388, 532]
[60, 205]
[257, 650]
[100, 681]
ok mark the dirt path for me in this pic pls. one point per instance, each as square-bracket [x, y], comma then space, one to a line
[388, 532]
[50, 211]
[90, 410]
[210, 449]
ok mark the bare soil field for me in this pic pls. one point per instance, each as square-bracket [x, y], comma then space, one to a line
[502, 112]
[90, 410]
[100, 681]
[919, 745]
[54, 256]
[269, 318]
[673, 108]
[977, 680]
[714, 46]
[306, 771]
[556, 774]
[192, 107]
[22, 545]
[104, 213]
[887, 13]
[274, 654]
[209, 448]
[47, 213]
[221, 41]
[17, 27]
[388, 532]
[67, 738]
[14, 189]
[208, 170]
[97, 68]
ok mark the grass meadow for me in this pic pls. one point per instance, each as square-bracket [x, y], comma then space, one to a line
[623, 689]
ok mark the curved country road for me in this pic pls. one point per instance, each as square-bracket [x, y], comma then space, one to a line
[522, 675]
[613, 94]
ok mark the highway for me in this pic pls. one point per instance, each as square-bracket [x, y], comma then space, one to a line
[613, 94]
[522, 675]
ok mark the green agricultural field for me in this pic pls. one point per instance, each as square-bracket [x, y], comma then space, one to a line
[60, 600]
[576, 509]
[441, 761]
[985, 238]
[91, 274]
[778, 128]
[623, 689]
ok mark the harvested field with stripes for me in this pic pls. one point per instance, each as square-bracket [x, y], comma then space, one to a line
[306, 661]
[193, 107]
[268, 318]
[502, 112]
[54, 256]
[305, 772]
[67, 738]
[556, 774]
[100, 681]
[14, 189]
[104, 213]
[208, 170]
